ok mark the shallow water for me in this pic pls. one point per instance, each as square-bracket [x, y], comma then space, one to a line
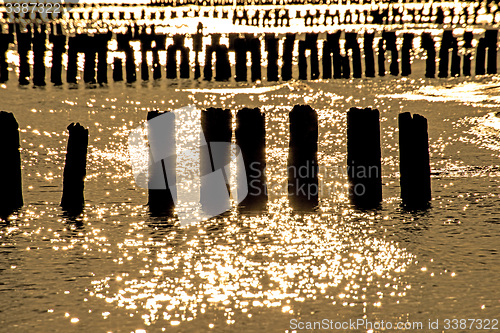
[115, 268]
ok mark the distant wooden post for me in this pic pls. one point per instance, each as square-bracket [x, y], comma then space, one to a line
[72, 199]
[11, 188]
[489, 41]
[364, 167]
[58, 41]
[286, 69]
[468, 37]
[406, 54]
[6, 38]
[414, 164]
[303, 188]
[272, 57]
[117, 69]
[427, 44]
[24, 40]
[369, 58]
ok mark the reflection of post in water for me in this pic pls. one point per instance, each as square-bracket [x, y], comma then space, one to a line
[72, 199]
[162, 163]
[364, 167]
[215, 158]
[11, 189]
[303, 187]
[251, 139]
[414, 165]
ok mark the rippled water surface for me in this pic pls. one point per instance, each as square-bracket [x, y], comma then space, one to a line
[116, 268]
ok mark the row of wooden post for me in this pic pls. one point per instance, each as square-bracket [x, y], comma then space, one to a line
[336, 62]
[364, 167]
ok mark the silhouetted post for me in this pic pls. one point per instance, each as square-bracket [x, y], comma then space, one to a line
[197, 46]
[222, 65]
[468, 37]
[6, 38]
[406, 54]
[172, 58]
[489, 41]
[414, 162]
[146, 41]
[102, 57]
[351, 43]
[23, 47]
[162, 192]
[123, 41]
[449, 42]
[272, 57]
[58, 41]
[286, 69]
[117, 69]
[331, 55]
[72, 69]
[389, 39]
[364, 168]
[215, 155]
[368, 51]
[39, 49]
[240, 50]
[11, 187]
[310, 43]
[72, 199]
[251, 139]
[430, 63]
[253, 44]
[89, 72]
[303, 188]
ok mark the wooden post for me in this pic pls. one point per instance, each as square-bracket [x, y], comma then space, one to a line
[364, 168]
[286, 69]
[23, 46]
[272, 57]
[58, 41]
[468, 37]
[369, 58]
[251, 139]
[162, 192]
[72, 200]
[11, 193]
[303, 188]
[406, 54]
[430, 63]
[414, 164]
[117, 69]
[214, 157]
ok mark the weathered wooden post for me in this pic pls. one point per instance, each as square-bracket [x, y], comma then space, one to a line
[368, 51]
[6, 38]
[24, 39]
[162, 192]
[388, 43]
[427, 44]
[222, 65]
[39, 48]
[272, 56]
[58, 41]
[310, 43]
[172, 59]
[72, 70]
[332, 56]
[489, 41]
[251, 139]
[351, 43]
[215, 156]
[72, 200]
[364, 167]
[11, 187]
[414, 162]
[303, 187]
[468, 37]
[102, 57]
[449, 42]
[286, 69]
[117, 69]
[406, 54]
[89, 48]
